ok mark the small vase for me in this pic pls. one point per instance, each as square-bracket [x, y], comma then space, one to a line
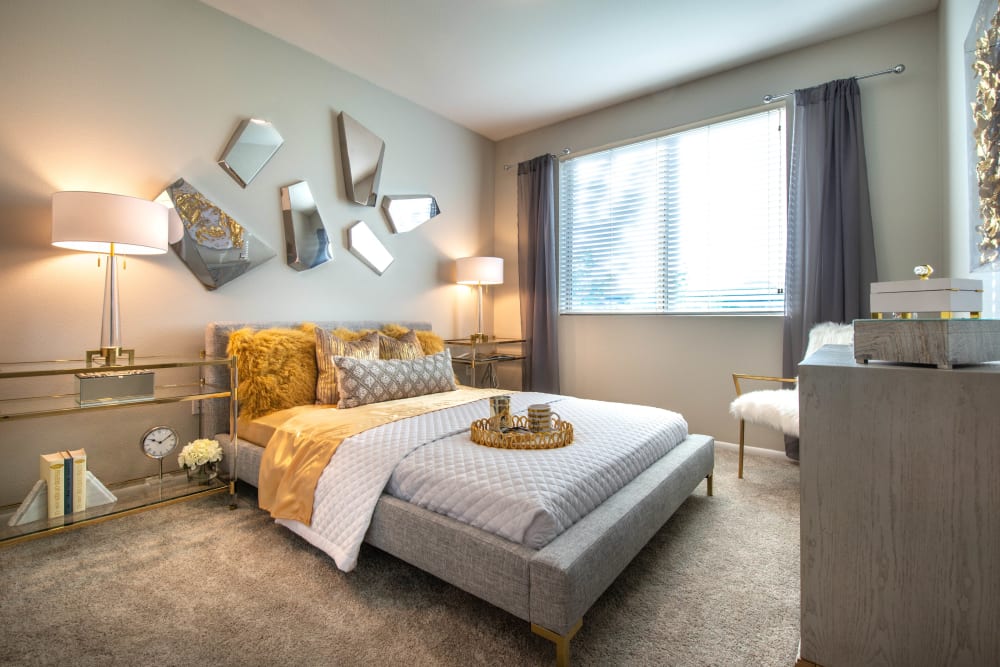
[203, 474]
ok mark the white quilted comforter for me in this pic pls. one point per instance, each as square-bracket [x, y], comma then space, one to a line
[528, 497]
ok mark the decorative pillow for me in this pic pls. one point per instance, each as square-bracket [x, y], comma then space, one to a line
[405, 346]
[277, 369]
[430, 342]
[328, 346]
[362, 381]
[350, 335]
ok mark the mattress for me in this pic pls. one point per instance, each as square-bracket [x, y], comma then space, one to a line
[531, 496]
[527, 497]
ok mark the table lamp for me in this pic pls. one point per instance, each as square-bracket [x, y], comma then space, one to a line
[479, 271]
[112, 225]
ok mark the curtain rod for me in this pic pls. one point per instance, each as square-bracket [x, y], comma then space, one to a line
[898, 69]
[565, 151]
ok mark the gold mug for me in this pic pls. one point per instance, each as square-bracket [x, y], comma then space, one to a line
[500, 412]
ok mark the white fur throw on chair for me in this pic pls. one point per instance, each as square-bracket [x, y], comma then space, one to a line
[829, 333]
[777, 408]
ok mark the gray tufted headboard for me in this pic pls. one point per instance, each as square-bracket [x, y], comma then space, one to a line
[215, 412]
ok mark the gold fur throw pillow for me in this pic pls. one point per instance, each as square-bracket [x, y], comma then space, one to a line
[277, 369]
[349, 335]
[329, 344]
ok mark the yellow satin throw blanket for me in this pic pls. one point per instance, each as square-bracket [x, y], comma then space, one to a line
[301, 448]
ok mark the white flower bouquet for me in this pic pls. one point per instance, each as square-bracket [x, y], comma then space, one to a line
[199, 452]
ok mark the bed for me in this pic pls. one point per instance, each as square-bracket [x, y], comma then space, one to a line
[544, 574]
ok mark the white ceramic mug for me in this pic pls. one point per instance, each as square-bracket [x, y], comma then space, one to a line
[540, 417]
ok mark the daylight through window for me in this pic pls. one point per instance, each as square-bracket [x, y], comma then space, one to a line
[690, 222]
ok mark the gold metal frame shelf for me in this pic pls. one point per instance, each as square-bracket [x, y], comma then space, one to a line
[483, 433]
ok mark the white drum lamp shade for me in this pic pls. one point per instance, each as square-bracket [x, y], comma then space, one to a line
[479, 271]
[92, 221]
[112, 225]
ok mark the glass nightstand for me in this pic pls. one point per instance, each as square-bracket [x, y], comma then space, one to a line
[482, 357]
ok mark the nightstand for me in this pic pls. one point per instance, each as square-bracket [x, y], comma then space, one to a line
[482, 356]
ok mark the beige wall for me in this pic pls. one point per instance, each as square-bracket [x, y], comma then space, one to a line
[955, 21]
[684, 363]
[126, 96]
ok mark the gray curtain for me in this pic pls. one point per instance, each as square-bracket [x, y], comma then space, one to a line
[536, 262]
[830, 261]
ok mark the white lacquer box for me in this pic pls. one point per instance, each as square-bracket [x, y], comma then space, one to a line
[941, 296]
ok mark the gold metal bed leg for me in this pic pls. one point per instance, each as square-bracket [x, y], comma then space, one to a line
[742, 425]
[708, 480]
[561, 641]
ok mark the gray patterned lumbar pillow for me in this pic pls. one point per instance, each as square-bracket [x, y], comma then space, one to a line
[363, 381]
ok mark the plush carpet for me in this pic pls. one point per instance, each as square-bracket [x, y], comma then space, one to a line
[195, 583]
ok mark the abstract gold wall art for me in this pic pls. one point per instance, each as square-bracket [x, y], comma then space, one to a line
[982, 53]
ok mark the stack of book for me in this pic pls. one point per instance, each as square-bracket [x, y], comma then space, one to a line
[65, 477]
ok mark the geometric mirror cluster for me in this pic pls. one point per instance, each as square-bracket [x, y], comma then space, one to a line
[307, 243]
[217, 249]
[406, 212]
[213, 245]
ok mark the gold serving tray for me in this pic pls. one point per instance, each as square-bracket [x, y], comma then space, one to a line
[520, 437]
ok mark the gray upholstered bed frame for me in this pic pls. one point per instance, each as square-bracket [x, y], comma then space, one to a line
[552, 587]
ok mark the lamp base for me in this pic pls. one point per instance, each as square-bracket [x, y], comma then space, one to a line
[479, 338]
[110, 355]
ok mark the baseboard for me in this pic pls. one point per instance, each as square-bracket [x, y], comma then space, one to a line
[753, 451]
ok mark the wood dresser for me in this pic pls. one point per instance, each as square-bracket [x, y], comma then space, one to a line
[900, 514]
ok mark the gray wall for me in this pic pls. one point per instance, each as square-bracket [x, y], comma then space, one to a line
[684, 363]
[125, 96]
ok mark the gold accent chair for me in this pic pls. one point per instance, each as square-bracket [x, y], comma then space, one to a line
[779, 408]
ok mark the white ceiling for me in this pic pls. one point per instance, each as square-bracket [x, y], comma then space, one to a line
[503, 67]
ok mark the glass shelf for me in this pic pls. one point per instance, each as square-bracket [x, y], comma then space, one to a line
[488, 341]
[19, 369]
[133, 496]
[486, 354]
[23, 407]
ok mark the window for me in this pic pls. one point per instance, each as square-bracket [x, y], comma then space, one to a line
[689, 222]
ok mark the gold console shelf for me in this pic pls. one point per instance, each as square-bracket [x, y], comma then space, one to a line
[50, 398]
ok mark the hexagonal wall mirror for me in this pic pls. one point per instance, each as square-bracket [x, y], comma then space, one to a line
[407, 212]
[307, 243]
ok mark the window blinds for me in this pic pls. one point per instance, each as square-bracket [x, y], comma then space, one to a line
[691, 222]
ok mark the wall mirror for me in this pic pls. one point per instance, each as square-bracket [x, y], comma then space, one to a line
[208, 240]
[307, 243]
[406, 212]
[253, 143]
[361, 152]
[363, 243]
